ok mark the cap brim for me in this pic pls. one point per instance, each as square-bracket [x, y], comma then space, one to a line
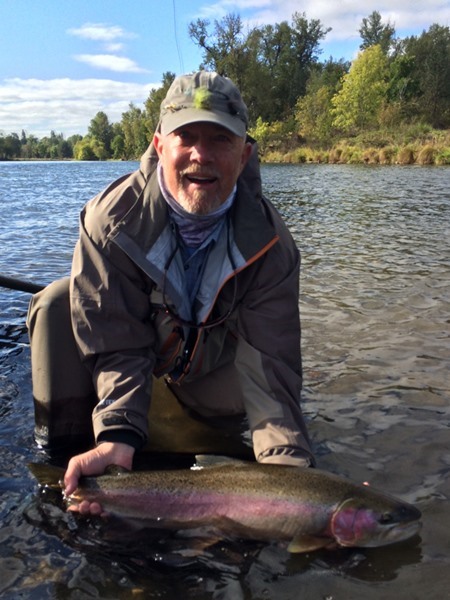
[187, 116]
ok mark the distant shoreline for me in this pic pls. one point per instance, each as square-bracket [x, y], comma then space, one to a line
[343, 153]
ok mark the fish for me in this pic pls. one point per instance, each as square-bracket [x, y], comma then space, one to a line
[308, 509]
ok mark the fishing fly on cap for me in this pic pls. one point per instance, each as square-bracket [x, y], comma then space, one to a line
[202, 99]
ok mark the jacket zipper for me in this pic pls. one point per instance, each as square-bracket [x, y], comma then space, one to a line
[193, 338]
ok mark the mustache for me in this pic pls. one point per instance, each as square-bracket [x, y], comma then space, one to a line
[199, 172]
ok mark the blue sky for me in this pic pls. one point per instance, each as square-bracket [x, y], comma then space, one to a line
[62, 61]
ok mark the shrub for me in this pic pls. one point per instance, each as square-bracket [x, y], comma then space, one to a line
[388, 155]
[426, 155]
[371, 156]
[300, 155]
[335, 155]
[443, 156]
[273, 156]
[406, 156]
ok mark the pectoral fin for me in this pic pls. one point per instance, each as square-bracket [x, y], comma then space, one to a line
[307, 543]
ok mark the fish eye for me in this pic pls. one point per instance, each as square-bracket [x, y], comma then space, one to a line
[386, 518]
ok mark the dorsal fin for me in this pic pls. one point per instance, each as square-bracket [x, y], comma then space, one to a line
[213, 460]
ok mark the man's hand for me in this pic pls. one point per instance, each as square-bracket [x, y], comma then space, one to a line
[94, 462]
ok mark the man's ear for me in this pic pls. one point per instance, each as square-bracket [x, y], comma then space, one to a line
[158, 142]
[246, 152]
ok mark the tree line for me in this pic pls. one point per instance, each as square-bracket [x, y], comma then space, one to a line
[293, 97]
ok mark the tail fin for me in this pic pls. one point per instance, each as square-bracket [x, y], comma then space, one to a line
[47, 475]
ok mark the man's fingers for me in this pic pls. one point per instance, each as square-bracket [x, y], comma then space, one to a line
[88, 463]
[87, 508]
[72, 475]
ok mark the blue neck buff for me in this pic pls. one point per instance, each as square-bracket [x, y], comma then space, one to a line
[193, 229]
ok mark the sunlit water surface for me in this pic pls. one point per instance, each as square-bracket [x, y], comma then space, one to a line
[375, 311]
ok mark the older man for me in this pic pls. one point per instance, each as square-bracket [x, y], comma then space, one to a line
[185, 270]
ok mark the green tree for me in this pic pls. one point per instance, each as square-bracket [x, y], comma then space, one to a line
[153, 102]
[358, 104]
[430, 54]
[274, 52]
[83, 150]
[100, 129]
[288, 54]
[228, 51]
[99, 149]
[402, 91]
[270, 64]
[261, 133]
[118, 146]
[53, 146]
[224, 48]
[373, 32]
[30, 148]
[314, 116]
[11, 146]
[314, 110]
[73, 139]
[135, 132]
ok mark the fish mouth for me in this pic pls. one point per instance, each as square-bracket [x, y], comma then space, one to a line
[393, 534]
[405, 524]
[402, 531]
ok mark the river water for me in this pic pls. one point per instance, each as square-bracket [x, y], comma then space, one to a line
[375, 302]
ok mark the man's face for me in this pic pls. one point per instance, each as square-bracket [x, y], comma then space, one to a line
[201, 164]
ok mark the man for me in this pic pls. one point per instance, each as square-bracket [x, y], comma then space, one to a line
[184, 270]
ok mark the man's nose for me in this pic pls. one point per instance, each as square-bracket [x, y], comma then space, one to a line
[201, 151]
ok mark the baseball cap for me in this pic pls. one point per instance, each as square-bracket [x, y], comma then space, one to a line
[204, 96]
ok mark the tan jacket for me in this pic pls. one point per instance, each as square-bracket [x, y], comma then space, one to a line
[122, 282]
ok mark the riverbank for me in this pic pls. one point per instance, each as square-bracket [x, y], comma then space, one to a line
[403, 147]
[411, 154]
[433, 150]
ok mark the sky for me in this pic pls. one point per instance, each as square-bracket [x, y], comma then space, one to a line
[62, 61]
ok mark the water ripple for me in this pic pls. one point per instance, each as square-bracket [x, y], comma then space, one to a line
[375, 303]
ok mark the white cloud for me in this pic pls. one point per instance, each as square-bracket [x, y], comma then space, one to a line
[64, 105]
[107, 36]
[100, 32]
[111, 62]
[114, 47]
[344, 17]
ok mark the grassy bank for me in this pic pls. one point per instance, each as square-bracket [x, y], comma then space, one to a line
[351, 154]
[411, 147]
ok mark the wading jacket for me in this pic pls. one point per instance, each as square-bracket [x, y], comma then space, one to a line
[131, 319]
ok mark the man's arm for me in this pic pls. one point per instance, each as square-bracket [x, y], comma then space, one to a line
[269, 356]
[110, 320]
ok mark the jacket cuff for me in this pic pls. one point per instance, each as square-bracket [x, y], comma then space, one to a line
[118, 424]
[283, 455]
[124, 436]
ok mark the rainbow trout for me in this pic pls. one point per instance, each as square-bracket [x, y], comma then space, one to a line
[308, 508]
